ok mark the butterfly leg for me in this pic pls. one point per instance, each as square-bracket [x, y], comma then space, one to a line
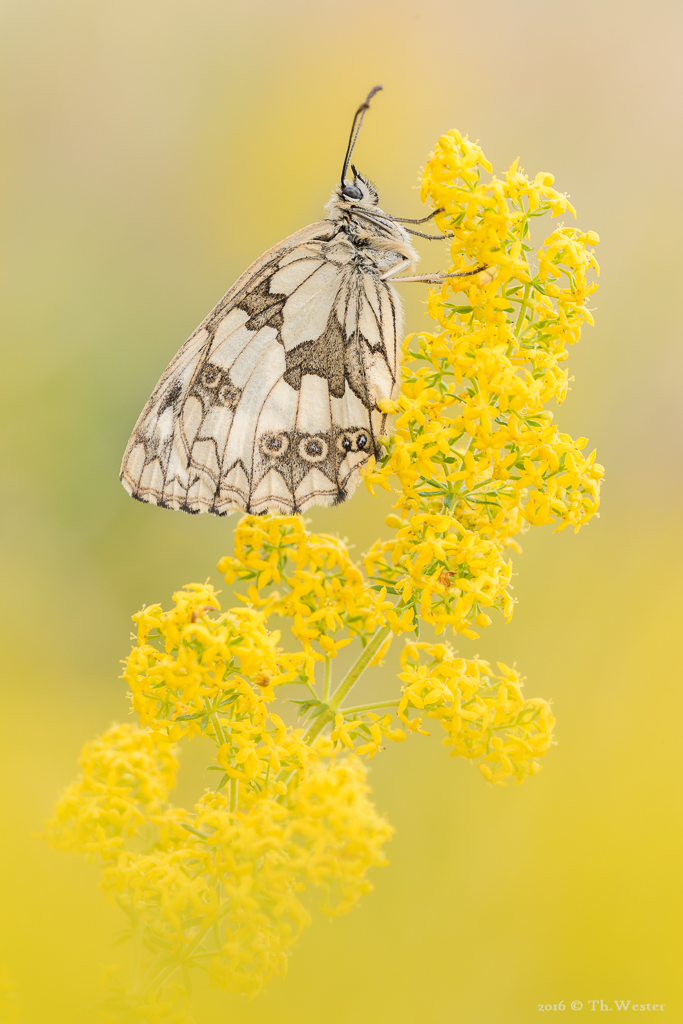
[432, 238]
[422, 220]
[484, 274]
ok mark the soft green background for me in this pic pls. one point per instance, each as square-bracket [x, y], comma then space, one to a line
[151, 151]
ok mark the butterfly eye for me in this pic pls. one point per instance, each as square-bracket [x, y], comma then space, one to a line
[352, 192]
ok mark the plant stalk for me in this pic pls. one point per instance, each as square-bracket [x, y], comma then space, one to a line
[217, 728]
[166, 972]
[524, 305]
[347, 683]
[328, 679]
[372, 707]
[234, 793]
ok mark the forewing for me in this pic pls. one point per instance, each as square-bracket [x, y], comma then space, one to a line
[271, 405]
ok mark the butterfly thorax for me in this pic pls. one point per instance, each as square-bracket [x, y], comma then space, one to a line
[380, 243]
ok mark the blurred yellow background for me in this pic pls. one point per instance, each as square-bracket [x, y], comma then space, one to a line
[151, 151]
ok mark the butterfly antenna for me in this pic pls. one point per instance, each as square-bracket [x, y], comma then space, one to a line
[358, 117]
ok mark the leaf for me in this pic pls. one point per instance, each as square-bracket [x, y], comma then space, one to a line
[319, 709]
[194, 831]
[306, 705]
[229, 700]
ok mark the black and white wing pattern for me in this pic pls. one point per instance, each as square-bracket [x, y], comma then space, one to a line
[271, 405]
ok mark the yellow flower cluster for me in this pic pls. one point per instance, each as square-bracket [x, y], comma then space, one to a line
[478, 460]
[192, 674]
[325, 592]
[125, 778]
[327, 596]
[218, 888]
[484, 715]
[222, 888]
[474, 449]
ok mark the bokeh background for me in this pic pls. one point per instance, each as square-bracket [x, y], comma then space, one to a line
[151, 150]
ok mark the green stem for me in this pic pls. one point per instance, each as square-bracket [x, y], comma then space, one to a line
[372, 707]
[168, 970]
[311, 688]
[522, 310]
[356, 671]
[220, 740]
[347, 683]
[328, 679]
[217, 728]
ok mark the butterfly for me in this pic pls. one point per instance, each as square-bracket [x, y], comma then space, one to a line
[272, 405]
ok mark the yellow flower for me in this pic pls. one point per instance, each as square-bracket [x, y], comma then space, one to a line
[126, 775]
[484, 720]
[474, 450]
[223, 880]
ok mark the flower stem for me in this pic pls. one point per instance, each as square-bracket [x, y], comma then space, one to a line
[217, 728]
[372, 707]
[168, 969]
[328, 679]
[347, 683]
[522, 310]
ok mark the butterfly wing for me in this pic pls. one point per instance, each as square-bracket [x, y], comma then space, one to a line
[271, 405]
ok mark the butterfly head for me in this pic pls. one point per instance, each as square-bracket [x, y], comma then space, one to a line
[361, 190]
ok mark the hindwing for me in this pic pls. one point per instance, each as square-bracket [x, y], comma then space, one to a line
[272, 403]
